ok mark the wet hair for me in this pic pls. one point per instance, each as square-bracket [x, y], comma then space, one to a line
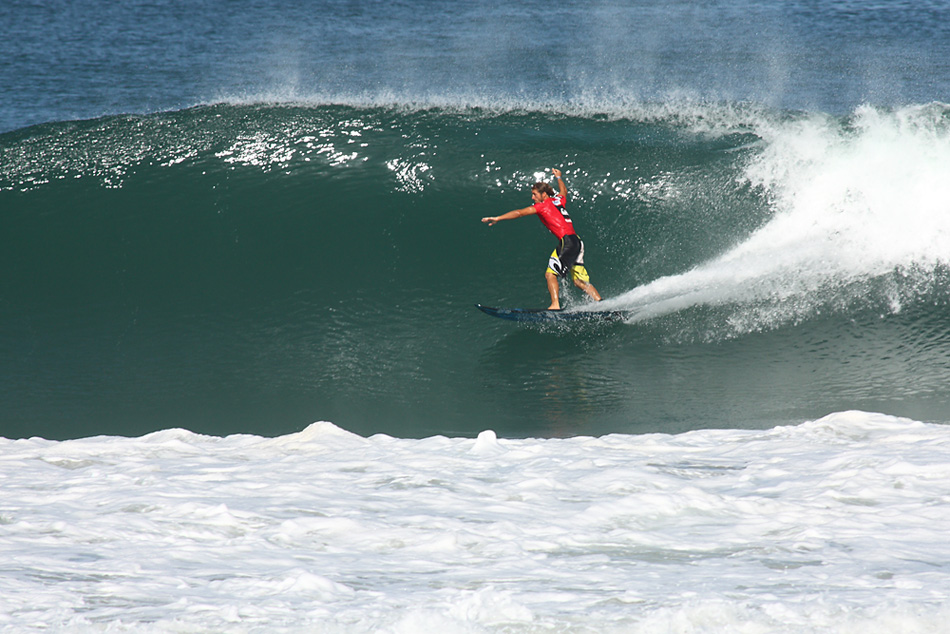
[544, 188]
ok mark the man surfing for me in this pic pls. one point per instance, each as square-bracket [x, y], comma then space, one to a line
[568, 257]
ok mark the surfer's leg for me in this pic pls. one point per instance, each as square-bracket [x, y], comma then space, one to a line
[589, 289]
[553, 290]
[555, 268]
[580, 275]
[582, 281]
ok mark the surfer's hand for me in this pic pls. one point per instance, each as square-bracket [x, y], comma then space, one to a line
[490, 220]
[557, 172]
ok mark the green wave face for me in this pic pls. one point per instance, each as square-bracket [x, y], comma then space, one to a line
[256, 267]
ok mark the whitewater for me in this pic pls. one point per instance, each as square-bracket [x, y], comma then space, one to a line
[858, 218]
[832, 525]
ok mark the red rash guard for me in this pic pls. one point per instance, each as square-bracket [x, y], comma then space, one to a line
[553, 214]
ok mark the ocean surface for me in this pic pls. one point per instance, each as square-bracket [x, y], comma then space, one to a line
[244, 386]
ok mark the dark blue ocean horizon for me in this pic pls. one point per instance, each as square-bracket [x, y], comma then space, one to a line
[81, 59]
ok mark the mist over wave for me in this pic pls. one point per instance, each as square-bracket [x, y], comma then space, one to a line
[793, 55]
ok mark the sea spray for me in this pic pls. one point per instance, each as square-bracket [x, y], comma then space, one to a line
[854, 203]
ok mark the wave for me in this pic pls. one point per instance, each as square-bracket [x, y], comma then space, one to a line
[719, 204]
[287, 251]
[832, 203]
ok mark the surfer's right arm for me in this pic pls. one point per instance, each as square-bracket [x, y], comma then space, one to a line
[511, 215]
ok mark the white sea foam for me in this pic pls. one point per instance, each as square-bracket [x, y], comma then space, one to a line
[852, 203]
[832, 525]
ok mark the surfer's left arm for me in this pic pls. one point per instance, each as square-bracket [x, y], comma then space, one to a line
[560, 182]
[511, 215]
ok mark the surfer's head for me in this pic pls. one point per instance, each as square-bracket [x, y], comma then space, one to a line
[541, 188]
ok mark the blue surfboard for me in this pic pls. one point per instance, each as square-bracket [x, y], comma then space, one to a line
[543, 315]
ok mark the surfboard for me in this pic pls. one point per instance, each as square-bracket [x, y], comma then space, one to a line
[538, 315]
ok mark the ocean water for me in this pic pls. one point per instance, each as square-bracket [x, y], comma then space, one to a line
[244, 386]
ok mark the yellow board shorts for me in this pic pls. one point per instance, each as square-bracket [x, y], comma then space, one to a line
[578, 271]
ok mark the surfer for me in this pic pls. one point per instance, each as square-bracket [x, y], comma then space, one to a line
[568, 257]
